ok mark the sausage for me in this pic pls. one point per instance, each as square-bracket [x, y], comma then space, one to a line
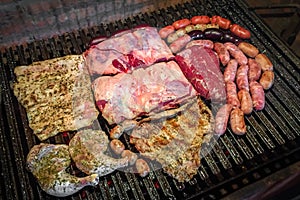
[254, 70]
[117, 146]
[221, 119]
[258, 95]
[132, 157]
[142, 167]
[189, 28]
[237, 121]
[230, 70]
[222, 53]
[222, 22]
[181, 23]
[178, 44]
[246, 101]
[196, 34]
[172, 37]
[181, 32]
[202, 43]
[248, 49]
[165, 31]
[240, 31]
[242, 77]
[236, 53]
[267, 79]
[231, 92]
[202, 19]
[264, 62]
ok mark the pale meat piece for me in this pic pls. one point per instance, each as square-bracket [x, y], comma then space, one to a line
[124, 52]
[145, 91]
[176, 142]
[56, 95]
[49, 163]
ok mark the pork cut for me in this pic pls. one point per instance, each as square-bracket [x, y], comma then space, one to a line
[201, 67]
[148, 90]
[125, 51]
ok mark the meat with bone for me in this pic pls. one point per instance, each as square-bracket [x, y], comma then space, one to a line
[87, 149]
[201, 67]
[176, 142]
[48, 163]
[133, 49]
[145, 91]
[56, 94]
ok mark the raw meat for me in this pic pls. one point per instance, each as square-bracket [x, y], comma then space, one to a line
[146, 90]
[129, 50]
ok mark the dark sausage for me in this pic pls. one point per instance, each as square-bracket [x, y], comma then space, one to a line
[222, 53]
[264, 62]
[248, 49]
[230, 70]
[246, 101]
[267, 79]
[231, 93]
[236, 53]
[254, 70]
[242, 77]
[258, 95]
[240, 31]
[222, 117]
[181, 23]
[142, 167]
[237, 121]
[178, 44]
[117, 146]
[202, 43]
[202, 19]
[165, 31]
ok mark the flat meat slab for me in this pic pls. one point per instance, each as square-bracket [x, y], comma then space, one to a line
[146, 90]
[56, 94]
[176, 142]
[126, 51]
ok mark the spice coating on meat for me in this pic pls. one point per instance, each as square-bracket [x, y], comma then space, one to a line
[56, 94]
[176, 142]
[48, 163]
[87, 149]
[125, 52]
[146, 90]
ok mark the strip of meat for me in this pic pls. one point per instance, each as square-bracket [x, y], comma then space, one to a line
[242, 77]
[258, 95]
[204, 62]
[48, 163]
[232, 97]
[230, 70]
[222, 53]
[222, 117]
[136, 48]
[145, 91]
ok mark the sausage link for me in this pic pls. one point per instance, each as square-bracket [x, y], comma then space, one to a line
[181, 32]
[132, 157]
[172, 37]
[222, 53]
[222, 22]
[242, 77]
[248, 49]
[181, 23]
[240, 31]
[202, 19]
[237, 121]
[117, 146]
[267, 79]
[231, 93]
[189, 28]
[202, 43]
[222, 117]
[264, 62]
[258, 95]
[178, 44]
[230, 70]
[236, 53]
[165, 31]
[142, 167]
[246, 101]
[254, 70]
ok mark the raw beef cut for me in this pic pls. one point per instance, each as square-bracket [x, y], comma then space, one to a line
[144, 91]
[201, 67]
[126, 51]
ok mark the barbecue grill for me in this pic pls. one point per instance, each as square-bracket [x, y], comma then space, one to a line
[237, 166]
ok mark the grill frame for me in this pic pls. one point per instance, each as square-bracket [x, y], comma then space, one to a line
[235, 162]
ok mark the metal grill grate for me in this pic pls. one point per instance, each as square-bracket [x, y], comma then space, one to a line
[272, 141]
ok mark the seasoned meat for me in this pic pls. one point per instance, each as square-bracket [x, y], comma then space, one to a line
[56, 94]
[176, 142]
[87, 149]
[145, 91]
[124, 52]
[48, 163]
